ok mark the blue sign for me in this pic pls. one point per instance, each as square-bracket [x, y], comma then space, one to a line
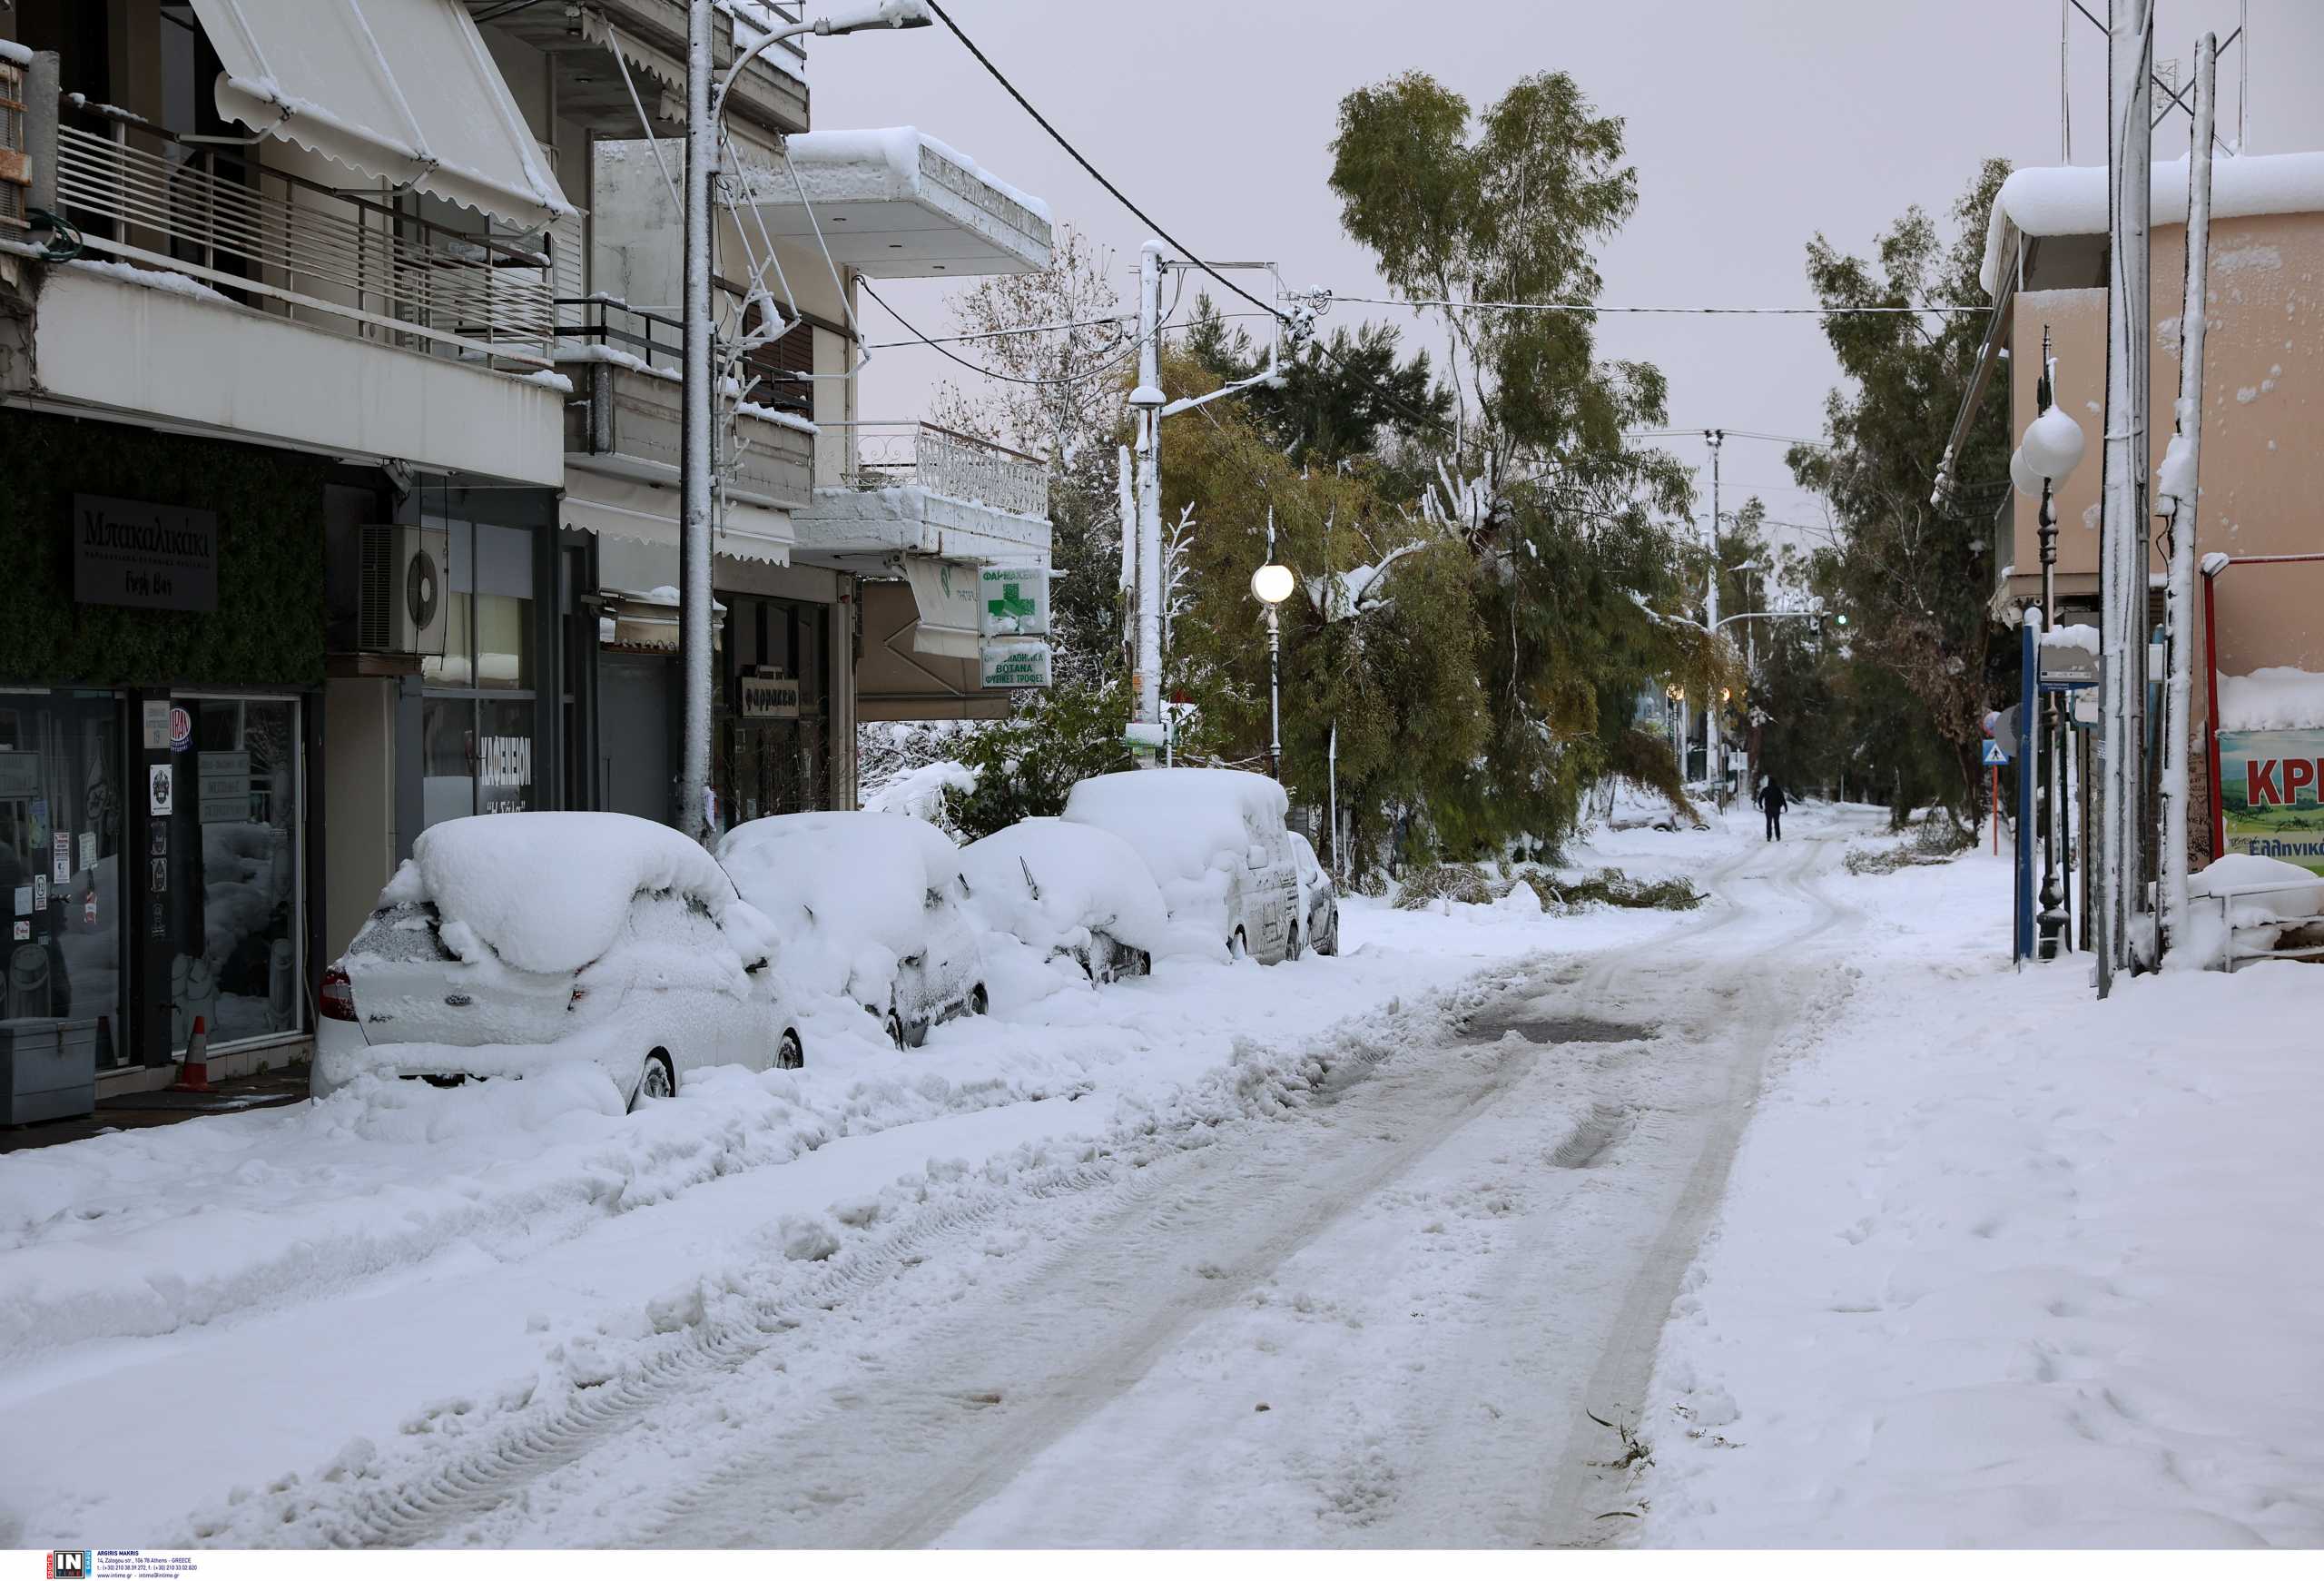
[1997, 755]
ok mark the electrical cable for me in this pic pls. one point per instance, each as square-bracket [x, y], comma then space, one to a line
[1125, 345]
[1583, 307]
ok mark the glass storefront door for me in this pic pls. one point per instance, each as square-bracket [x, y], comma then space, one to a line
[60, 860]
[477, 709]
[236, 855]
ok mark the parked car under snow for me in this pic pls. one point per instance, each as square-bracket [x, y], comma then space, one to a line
[1319, 898]
[1069, 889]
[1215, 840]
[868, 905]
[514, 941]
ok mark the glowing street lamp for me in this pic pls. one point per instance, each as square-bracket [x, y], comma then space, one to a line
[1271, 584]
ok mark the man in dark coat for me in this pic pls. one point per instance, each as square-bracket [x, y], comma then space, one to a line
[1772, 803]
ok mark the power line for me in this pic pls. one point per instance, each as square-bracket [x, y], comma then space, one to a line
[940, 340]
[1095, 174]
[1584, 307]
[1127, 341]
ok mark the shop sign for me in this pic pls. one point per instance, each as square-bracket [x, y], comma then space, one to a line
[945, 592]
[765, 695]
[504, 772]
[2065, 664]
[1014, 600]
[2271, 795]
[225, 795]
[157, 726]
[147, 557]
[160, 790]
[88, 850]
[1015, 664]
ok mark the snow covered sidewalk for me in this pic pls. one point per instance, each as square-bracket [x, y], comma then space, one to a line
[2004, 1266]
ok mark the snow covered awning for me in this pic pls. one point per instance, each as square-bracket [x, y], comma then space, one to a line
[2071, 200]
[403, 90]
[647, 513]
[945, 592]
[897, 204]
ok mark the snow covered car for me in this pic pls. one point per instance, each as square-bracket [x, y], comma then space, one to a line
[1069, 889]
[1214, 839]
[868, 905]
[1319, 898]
[514, 941]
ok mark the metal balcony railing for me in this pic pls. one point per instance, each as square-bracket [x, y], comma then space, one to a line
[266, 239]
[658, 340]
[887, 455]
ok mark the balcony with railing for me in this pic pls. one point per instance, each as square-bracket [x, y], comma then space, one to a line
[190, 282]
[649, 37]
[891, 488]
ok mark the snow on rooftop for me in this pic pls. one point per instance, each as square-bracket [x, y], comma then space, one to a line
[2071, 200]
[830, 164]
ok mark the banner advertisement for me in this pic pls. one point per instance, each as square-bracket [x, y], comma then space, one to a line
[2271, 795]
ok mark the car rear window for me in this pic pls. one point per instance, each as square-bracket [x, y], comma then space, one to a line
[403, 932]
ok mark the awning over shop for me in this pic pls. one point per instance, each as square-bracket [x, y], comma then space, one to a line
[403, 90]
[945, 594]
[647, 513]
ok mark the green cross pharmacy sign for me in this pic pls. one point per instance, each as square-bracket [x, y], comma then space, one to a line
[1014, 600]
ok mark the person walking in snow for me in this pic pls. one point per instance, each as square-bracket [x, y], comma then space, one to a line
[1772, 803]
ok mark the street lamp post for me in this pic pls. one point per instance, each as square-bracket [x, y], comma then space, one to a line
[1271, 584]
[2051, 450]
[705, 102]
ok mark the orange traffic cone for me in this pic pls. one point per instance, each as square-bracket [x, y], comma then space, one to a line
[195, 1078]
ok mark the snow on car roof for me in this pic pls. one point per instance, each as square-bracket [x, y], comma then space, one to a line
[1180, 819]
[550, 892]
[853, 874]
[1044, 880]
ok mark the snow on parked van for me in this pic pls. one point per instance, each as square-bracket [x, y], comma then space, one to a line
[1071, 890]
[1214, 839]
[513, 942]
[867, 905]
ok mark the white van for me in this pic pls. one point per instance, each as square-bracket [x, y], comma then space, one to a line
[1215, 842]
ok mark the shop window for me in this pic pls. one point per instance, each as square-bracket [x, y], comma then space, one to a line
[60, 870]
[237, 964]
[477, 721]
[774, 756]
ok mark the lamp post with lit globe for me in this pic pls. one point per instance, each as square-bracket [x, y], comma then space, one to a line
[1271, 584]
[2049, 452]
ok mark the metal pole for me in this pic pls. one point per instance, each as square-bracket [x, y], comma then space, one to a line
[694, 456]
[1147, 672]
[2129, 53]
[2181, 470]
[1331, 769]
[1275, 694]
[2055, 919]
[1710, 702]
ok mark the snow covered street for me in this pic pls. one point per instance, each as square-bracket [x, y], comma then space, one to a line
[1341, 1251]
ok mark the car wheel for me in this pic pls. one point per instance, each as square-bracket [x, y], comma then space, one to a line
[1294, 946]
[1145, 964]
[895, 1028]
[790, 1054]
[979, 1004]
[1329, 945]
[1238, 947]
[657, 1082]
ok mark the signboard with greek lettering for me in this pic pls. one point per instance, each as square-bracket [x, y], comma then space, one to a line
[1015, 601]
[225, 787]
[147, 557]
[503, 773]
[767, 695]
[2271, 795]
[1015, 664]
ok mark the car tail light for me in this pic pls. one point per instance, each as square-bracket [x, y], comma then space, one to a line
[337, 997]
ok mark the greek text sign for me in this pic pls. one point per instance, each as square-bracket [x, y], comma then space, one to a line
[147, 557]
[2271, 795]
[1015, 600]
[1015, 664]
[767, 696]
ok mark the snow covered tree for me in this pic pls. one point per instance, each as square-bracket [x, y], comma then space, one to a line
[1914, 576]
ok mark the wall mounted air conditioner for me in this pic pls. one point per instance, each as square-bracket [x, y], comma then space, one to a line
[404, 601]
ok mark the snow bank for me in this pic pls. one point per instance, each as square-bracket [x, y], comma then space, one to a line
[845, 893]
[919, 793]
[2071, 200]
[551, 892]
[2279, 697]
[1052, 883]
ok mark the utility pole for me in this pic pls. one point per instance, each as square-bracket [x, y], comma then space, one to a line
[2180, 472]
[1147, 400]
[1717, 437]
[693, 450]
[2122, 548]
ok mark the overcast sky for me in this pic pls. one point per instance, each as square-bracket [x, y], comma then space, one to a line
[1753, 124]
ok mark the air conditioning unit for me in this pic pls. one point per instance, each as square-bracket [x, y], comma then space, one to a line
[403, 598]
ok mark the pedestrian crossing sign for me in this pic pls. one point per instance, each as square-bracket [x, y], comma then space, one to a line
[1996, 755]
